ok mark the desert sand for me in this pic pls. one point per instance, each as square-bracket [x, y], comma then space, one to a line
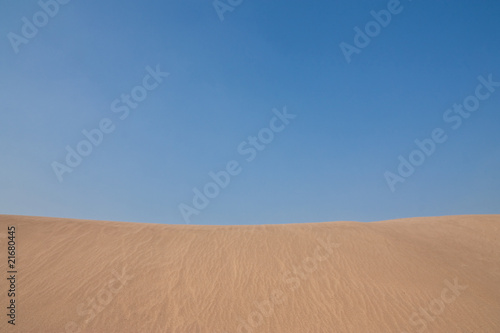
[434, 274]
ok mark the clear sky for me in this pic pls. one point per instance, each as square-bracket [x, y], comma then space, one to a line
[356, 111]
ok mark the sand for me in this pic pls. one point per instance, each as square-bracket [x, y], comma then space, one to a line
[435, 274]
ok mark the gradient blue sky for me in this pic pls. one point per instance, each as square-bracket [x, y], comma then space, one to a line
[353, 120]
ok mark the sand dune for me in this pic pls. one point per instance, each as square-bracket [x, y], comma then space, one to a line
[437, 274]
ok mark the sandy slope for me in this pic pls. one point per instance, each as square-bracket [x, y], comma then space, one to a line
[437, 274]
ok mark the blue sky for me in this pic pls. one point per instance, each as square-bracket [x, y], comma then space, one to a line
[353, 120]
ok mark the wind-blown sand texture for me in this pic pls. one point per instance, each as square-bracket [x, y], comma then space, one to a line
[436, 274]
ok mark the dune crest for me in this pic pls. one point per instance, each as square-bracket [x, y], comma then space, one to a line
[435, 274]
